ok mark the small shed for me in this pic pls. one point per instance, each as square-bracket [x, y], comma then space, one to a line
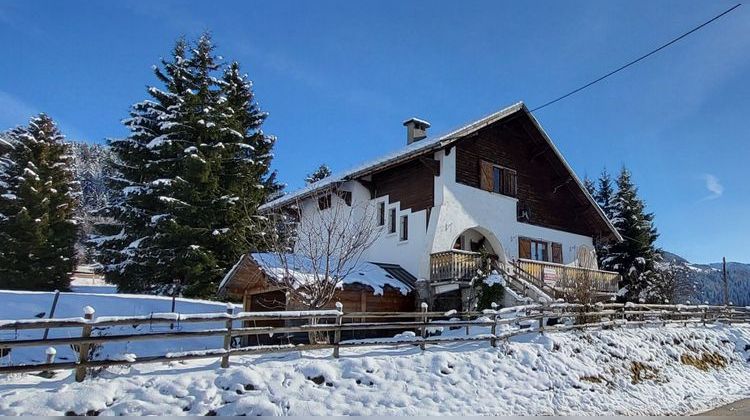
[371, 287]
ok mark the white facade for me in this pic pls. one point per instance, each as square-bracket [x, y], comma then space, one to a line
[457, 209]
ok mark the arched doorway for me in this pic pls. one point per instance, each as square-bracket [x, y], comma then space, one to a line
[479, 239]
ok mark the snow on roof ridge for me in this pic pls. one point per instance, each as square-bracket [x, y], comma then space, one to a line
[414, 148]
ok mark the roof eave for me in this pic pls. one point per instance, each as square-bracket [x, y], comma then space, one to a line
[598, 209]
[433, 146]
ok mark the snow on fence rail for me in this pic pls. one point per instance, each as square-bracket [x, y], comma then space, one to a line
[547, 318]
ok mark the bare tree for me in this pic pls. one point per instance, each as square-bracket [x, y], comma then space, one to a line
[315, 243]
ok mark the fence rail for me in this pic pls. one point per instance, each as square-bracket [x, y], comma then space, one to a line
[526, 319]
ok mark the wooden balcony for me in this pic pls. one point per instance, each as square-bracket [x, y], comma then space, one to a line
[455, 265]
[559, 277]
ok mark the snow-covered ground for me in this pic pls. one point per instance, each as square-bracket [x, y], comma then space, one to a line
[669, 370]
[27, 305]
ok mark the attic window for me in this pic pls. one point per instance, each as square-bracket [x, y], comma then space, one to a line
[498, 179]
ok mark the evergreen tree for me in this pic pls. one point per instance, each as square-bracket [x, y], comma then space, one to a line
[92, 168]
[605, 193]
[635, 257]
[589, 185]
[322, 172]
[193, 171]
[37, 208]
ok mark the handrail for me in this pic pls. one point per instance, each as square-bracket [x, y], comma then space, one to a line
[553, 264]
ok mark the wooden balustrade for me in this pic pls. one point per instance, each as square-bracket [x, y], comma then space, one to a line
[559, 276]
[455, 265]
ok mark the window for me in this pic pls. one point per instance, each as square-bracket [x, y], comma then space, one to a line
[404, 228]
[504, 181]
[531, 249]
[498, 179]
[324, 202]
[381, 213]
[392, 221]
[346, 196]
[539, 251]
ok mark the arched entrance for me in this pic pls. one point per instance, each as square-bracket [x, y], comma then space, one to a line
[479, 239]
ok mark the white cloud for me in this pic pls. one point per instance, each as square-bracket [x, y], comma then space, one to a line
[13, 111]
[714, 187]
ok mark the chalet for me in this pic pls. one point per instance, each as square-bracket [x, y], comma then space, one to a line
[495, 187]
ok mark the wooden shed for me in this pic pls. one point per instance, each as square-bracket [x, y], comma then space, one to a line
[372, 287]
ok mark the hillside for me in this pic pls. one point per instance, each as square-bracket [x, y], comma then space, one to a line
[703, 282]
[635, 371]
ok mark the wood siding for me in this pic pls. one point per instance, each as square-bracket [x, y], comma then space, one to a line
[516, 146]
[412, 184]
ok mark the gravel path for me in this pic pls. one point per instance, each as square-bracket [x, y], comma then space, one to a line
[737, 408]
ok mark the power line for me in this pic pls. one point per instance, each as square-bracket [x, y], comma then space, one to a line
[639, 58]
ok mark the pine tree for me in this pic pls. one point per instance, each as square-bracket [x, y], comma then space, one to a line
[322, 172]
[37, 208]
[194, 170]
[589, 185]
[635, 257]
[605, 193]
[91, 168]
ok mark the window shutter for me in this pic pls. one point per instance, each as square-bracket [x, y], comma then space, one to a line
[485, 175]
[557, 253]
[524, 248]
[509, 182]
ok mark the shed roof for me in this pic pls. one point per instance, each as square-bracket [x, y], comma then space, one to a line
[375, 275]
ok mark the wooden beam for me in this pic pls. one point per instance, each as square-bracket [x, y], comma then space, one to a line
[431, 164]
[370, 187]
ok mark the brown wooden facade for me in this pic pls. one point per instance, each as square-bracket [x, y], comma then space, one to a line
[545, 188]
[412, 184]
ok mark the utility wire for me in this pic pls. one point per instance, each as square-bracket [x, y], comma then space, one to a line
[639, 58]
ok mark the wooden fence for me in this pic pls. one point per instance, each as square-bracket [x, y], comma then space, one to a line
[526, 319]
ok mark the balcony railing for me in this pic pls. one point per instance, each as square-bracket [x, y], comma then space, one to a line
[455, 265]
[558, 276]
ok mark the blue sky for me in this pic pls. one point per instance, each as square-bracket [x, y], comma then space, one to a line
[339, 77]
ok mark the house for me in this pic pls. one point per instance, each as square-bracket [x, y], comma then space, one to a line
[493, 194]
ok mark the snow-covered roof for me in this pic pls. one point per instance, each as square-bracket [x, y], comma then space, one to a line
[366, 273]
[417, 120]
[415, 149]
[431, 144]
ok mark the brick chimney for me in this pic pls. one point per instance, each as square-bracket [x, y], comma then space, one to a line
[416, 129]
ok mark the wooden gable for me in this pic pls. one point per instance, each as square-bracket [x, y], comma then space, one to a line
[545, 188]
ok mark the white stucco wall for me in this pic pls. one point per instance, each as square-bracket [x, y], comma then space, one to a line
[387, 247]
[465, 207]
[457, 208]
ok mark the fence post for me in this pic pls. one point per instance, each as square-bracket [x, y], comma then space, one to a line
[424, 325]
[83, 348]
[227, 337]
[52, 312]
[337, 333]
[50, 358]
[493, 340]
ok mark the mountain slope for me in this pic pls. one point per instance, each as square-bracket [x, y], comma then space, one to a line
[703, 282]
